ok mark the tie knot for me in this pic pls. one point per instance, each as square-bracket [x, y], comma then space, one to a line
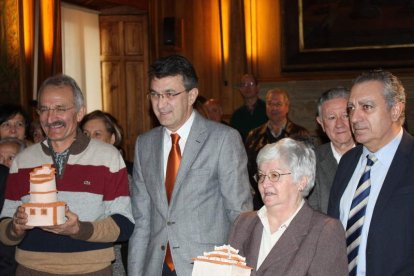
[371, 159]
[175, 138]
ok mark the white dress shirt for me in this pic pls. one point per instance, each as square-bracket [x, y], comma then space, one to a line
[336, 154]
[378, 173]
[183, 131]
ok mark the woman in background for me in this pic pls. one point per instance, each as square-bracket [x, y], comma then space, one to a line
[286, 236]
[36, 132]
[104, 127]
[14, 122]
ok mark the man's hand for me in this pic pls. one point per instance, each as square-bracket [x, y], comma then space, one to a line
[19, 221]
[70, 227]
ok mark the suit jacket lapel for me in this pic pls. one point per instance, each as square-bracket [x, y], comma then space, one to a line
[288, 244]
[157, 147]
[253, 246]
[195, 140]
[392, 179]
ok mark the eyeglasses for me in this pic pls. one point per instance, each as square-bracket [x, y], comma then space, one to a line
[59, 110]
[272, 175]
[246, 84]
[275, 104]
[9, 125]
[169, 95]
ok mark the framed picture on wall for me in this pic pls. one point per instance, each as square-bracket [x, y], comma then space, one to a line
[329, 35]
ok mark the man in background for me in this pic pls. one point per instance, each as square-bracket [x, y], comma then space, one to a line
[334, 120]
[91, 178]
[278, 126]
[373, 189]
[253, 113]
[190, 178]
[214, 111]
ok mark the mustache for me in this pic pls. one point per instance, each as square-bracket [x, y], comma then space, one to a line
[56, 124]
[357, 126]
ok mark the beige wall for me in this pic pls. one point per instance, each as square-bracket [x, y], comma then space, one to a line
[80, 52]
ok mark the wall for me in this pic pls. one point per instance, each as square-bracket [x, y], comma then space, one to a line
[200, 43]
[80, 53]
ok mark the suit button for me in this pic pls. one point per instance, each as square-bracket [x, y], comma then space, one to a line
[170, 223]
[162, 247]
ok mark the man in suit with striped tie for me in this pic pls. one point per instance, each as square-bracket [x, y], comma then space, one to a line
[373, 190]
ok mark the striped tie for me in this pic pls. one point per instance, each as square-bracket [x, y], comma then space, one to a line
[357, 214]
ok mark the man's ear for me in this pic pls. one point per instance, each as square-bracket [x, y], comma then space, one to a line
[80, 113]
[396, 111]
[319, 120]
[192, 96]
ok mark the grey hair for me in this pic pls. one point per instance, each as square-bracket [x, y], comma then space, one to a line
[279, 91]
[298, 156]
[13, 140]
[393, 92]
[330, 94]
[62, 80]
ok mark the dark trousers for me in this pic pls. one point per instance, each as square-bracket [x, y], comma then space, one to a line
[25, 271]
[7, 262]
[167, 272]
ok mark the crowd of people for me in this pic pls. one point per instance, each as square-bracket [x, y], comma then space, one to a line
[258, 181]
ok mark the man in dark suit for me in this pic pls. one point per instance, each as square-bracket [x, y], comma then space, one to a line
[385, 229]
[210, 189]
[333, 118]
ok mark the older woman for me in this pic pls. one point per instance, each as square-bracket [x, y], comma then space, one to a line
[287, 237]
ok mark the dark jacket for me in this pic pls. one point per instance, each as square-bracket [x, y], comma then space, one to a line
[313, 244]
[390, 244]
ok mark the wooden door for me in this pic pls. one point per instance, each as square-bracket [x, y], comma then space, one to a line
[124, 65]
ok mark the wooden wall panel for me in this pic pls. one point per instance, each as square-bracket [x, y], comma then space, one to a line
[113, 92]
[138, 118]
[134, 42]
[124, 63]
[110, 38]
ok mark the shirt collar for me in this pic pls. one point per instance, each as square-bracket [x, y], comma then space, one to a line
[184, 130]
[79, 144]
[262, 213]
[386, 153]
[336, 154]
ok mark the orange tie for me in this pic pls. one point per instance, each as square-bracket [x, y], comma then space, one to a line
[173, 163]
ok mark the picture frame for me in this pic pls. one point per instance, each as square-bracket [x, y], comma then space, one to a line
[330, 35]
